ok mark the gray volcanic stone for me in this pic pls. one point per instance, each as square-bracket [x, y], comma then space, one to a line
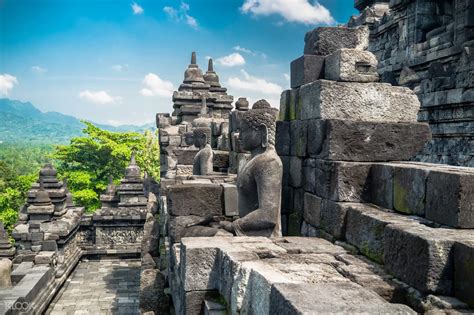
[420, 256]
[312, 209]
[296, 171]
[346, 140]
[380, 102]
[306, 69]
[409, 187]
[195, 199]
[365, 227]
[450, 198]
[231, 200]
[316, 136]
[333, 218]
[299, 138]
[351, 65]
[345, 181]
[381, 185]
[285, 161]
[329, 298]
[283, 140]
[463, 272]
[326, 40]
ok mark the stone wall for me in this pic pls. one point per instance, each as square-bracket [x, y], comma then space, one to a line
[428, 46]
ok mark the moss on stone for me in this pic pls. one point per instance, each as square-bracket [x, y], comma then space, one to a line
[400, 198]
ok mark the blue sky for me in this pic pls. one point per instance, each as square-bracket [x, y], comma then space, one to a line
[118, 61]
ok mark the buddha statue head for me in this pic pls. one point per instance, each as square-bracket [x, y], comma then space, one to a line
[193, 74]
[258, 126]
[201, 137]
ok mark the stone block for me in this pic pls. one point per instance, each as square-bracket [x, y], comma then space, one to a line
[287, 199]
[195, 199]
[185, 156]
[381, 185]
[464, 272]
[351, 65]
[329, 298]
[420, 256]
[283, 139]
[285, 161]
[284, 114]
[346, 140]
[306, 69]
[231, 205]
[299, 138]
[295, 172]
[333, 218]
[221, 159]
[365, 229]
[294, 223]
[380, 102]
[409, 188]
[49, 246]
[316, 136]
[338, 181]
[326, 40]
[450, 198]
[198, 265]
[312, 209]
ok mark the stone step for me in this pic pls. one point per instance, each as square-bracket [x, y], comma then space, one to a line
[415, 250]
[290, 275]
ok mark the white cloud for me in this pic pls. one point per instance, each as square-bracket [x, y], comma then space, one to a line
[99, 97]
[155, 86]
[232, 60]
[136, 8]
[7, 82]
[114, 123]
[242, 49]
[38, 69]
[300, 11]
[287, 76]
[181, 14]
[254, 84]
[119, 67]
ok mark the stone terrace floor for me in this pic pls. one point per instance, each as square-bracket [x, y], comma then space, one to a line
[100, 287]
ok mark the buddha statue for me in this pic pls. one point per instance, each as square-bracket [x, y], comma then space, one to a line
[203, 160]
[259, 182]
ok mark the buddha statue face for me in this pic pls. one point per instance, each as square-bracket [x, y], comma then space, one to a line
[257, 129]
[201, 137]
[251, 137]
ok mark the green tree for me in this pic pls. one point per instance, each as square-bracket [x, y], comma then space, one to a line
[88, 161]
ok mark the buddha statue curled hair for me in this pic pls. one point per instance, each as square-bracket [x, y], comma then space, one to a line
[256, 117]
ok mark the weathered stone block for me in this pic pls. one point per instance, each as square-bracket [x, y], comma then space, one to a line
[380, 102]
[409, 187]
[195, 199]
[231, 200]
[285, 161]
[295, 173]
[351, 65]
[326, 40]
[333, 218]
[346, 140]
[365, 229]
[316, 136]
[299, 138]
[329, 298]
[306, 69]
[185, 156]
[450, 198]
[312, 209]
[221, 159]
[284, 113]
[464, 272]
[381, 185]
[283, 139]
[420, 256]
[338, 181]
[287, 199]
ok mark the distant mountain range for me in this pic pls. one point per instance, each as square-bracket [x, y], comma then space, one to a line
[23, 123]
